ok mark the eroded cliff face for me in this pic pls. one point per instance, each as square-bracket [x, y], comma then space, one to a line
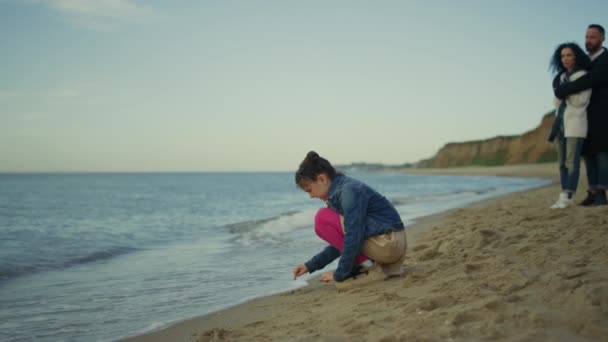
[530, 147]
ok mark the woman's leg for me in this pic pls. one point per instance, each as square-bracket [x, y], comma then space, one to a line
[328, 227]
[561, 161]
[572, 163]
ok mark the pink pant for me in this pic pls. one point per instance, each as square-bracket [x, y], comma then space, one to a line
[329, 228]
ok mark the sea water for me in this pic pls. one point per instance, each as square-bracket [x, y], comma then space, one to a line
[99, 257]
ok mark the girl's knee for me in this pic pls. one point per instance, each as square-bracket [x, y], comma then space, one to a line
[325, 215]
[325, 219]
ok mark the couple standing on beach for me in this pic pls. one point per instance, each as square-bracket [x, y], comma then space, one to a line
[581, 121]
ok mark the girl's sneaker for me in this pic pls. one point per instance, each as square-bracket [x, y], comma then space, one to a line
[394, 269]
[363, 278]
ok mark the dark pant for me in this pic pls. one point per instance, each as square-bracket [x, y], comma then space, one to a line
[597, 170]
[569, 159]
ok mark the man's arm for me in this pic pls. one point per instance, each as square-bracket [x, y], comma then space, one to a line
[556, 81]
[597, 77]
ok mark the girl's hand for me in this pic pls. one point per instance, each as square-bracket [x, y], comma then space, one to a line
[328, 277]
[299, 270]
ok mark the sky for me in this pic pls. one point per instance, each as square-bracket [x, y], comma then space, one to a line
[126, 85]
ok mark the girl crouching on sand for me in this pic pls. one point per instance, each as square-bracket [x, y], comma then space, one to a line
[359, 224]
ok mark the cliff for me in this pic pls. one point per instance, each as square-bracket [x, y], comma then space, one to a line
[530, 147]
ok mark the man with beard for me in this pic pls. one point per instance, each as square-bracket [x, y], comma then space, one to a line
[595, 148]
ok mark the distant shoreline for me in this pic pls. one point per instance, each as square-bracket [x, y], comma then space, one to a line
[537, 170]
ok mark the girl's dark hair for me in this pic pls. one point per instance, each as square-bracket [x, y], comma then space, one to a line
[312, 166]
[581, 60]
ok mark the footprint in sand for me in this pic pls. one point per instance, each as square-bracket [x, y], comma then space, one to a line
[212, 335]
[486, 237]
[526, 219]
[419, 247]
[389, 297]
[487, 233]
[572, 273]
[389, 338]
[429, 255]
[580, 262]
[431, 304]
[525, 249]
[254, 324]
[494, 304]
[556, 215]
[471, 267]
[514, 298]
[466, 317]
[515, 239]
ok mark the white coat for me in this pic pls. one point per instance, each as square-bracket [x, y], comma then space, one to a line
[575, 115]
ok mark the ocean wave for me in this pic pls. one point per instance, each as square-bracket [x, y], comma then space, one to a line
[276, 229]
[246, 226]
[15, 269]
[100, 255]
[273, 229]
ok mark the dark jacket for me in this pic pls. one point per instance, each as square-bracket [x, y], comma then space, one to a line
[597, 112]
[366, 213]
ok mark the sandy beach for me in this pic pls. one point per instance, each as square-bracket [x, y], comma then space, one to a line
[506, 269]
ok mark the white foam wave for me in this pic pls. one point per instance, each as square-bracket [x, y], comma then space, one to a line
[277, 230]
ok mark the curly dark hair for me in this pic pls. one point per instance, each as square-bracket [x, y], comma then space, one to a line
[581, 59]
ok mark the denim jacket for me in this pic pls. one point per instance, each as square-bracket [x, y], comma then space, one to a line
[366, 213]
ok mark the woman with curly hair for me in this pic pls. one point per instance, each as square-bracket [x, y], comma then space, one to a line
[569, 62]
